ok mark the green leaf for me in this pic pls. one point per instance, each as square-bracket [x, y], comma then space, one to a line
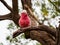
[44, 10]
[16, 39]
[10, 40]
[10, 26]
[22, 36]
[53, 16]
[8, 37]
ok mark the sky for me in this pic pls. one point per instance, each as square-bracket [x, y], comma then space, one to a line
[4, 32]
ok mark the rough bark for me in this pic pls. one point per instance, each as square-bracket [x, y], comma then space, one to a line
[41, 28]
[40, 33]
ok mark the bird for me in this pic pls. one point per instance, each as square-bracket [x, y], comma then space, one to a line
[24, 20]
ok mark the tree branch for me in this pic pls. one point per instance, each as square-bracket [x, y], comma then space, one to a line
[42, 33]
[7, 16]
[26, 2]
[38, 35]
[8, 7]
[32, 15]
[41, 28]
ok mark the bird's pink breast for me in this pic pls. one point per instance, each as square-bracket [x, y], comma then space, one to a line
[24, 22]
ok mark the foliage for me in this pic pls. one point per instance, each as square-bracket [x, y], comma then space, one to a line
[1, 43]
[37, 3]
[44, 10]
[11, 26]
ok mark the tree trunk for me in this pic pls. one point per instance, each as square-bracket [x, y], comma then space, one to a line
[15, 15]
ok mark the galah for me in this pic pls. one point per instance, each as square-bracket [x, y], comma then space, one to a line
[24, 20]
